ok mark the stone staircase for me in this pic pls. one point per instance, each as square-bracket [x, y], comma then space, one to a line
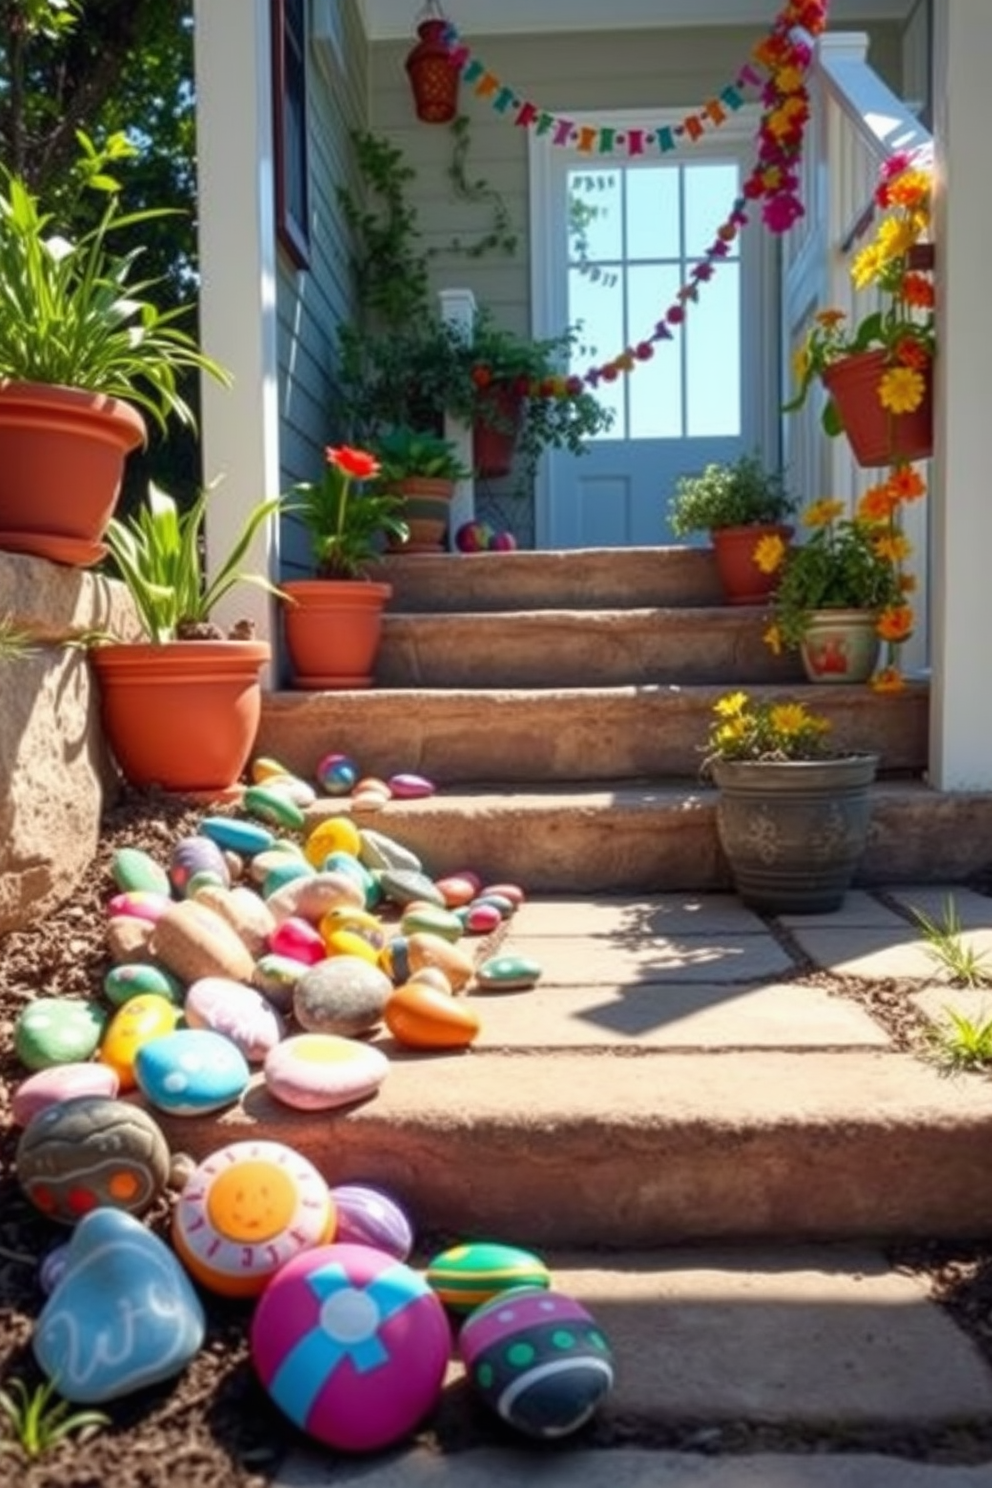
[559, 700]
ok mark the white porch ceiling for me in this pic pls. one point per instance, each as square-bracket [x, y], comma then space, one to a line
[388, 20]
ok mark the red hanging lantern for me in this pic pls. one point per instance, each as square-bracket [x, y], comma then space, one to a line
[433, 75]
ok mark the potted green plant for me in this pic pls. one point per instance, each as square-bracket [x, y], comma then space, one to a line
[735, 503]
[423, 469]
[839, 593]
[85, 356]
[333, 622]
[793, 809]
[877, 372]
[180, 707]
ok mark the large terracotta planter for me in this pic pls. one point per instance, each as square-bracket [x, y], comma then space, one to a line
[332, 629]
[876, 436]
[495, 435]
[793, 831]
[742, 581]
[426, 508]
[182, 716]
[62, 454]
[840, 646]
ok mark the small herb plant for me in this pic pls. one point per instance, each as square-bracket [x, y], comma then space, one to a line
[747, 729]
[741, 494]
[40, 1420]
[961, 1043]
[346, 516]
[966, 967]
[159, 554]
[404, 453]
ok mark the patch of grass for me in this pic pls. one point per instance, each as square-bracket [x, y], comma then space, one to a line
[13, 642]
[962, 1043]
[946, 945]
[39, 1420]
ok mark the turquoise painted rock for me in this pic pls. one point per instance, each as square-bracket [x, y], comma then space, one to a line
[58, 1030]
[134, 869]
[192, 856]
[91, 1151]
[238, 1012]
[507, 973]
[284, 872]
[342, 862]
[61, 1082]
[342, 994]
[319, 1071]
[432, 920]
[191, 1071]
[269, 804]
[402, 886]
[233, 834]
[467, 1275]
[380, 851]
[123, 1315]
[135, 978]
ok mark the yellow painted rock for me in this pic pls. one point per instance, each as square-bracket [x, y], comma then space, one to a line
[140, 1020]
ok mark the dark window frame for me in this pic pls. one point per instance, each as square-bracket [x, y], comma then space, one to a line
[291, 155]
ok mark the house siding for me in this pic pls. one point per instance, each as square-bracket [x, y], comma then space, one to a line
[312, 302]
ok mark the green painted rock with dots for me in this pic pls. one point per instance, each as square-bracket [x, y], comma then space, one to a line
[58, 1030]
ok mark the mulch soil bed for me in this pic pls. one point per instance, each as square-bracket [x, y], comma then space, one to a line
[214, 1426]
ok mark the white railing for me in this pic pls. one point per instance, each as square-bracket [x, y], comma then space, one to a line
[857, 123]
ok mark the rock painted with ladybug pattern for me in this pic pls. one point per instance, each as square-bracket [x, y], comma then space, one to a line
[91, 1151]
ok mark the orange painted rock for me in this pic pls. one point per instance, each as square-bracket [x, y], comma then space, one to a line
[421, 1017]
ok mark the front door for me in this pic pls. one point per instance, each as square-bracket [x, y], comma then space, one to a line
[613, 240]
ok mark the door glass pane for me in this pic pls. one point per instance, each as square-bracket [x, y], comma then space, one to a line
[655, 387]
[653, 212]
[710, 191]
[596, 307]
[595, 221]
[713, 357]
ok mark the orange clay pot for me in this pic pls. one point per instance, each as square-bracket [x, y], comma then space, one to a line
[742, 581]
[876, 436]
[332, 629]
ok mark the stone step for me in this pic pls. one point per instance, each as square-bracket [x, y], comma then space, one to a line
[580, 648]
[458, 736]
[589, 578]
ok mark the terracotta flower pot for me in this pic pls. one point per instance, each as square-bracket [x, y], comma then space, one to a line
[840, 646]
[62, 454]
[742, 581]
[876, 436]
[427, 504]
[181, 716]
[494, 445]
[332, 629]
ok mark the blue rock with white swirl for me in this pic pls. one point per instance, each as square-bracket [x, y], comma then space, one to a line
[123, 1314]
[191, 1071]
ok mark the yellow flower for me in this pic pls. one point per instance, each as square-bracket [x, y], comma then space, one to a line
[822, 513]
[769, 552]
[788, 719]
[773, 640]
[889, 679]
[901, 389]
[894, 546]
[895, 237]
[867, 266]
[800, 363]
[732, 705]
[729, 734]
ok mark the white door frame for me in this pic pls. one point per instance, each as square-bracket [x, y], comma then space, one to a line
[760, 394]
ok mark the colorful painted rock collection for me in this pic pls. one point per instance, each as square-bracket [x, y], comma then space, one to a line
[254, 947]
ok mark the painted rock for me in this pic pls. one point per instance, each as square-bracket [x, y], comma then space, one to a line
[480, 919]
[506, 906]
[193, 941]
[124, 1314]
[402, 886]
[513, 892]
[89, 1151]
[352, 1345]
[410, 787]
[342, 862]
[139, 904]
[296, 937]
[368, 800]
[337, 773]
[367, 1216]
[539, 1360]
[247, 1210]
[404, 955]
[344, 994]
[264, 767]
[457, 889]
[371, 785]
[507, 973]
[468, 1275]
[140, 1020]
[300, 792]
[432, 919]
[431, 976]
[269, 804]
[420, 1017]
[350, 943]
[275, 977]
[236, 835]
[282, 848]
[191, 1071]
[318, 1071]
[135, 978]
[128, 939]
[283, 873]
[58, 1030]
[358, 922]
[194, 855]
[61, 1082]
[334, 834]
[381, 852]
[52, 1268]
[312, 897]
[247, 914]
[240, 1013]
[134, 869]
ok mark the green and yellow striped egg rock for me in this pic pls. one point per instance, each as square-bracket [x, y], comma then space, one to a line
[467, 1275]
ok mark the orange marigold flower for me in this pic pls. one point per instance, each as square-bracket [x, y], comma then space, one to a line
[901, 389]
[481, 376]
[911, 353]
[789, 79]
[889, 679]
[917, 291]
[354, 462]
[895, 623]
[877, 504]
[830, 318]
[769, 552]
[894, 546]
[906, 484]
[911, 190]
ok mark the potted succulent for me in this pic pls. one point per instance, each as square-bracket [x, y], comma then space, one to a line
[423, 469]
[333, 622]
[181, 706]
[841, 592]
[85, 357]
[736, 504]
[793, 809]
[878, 373]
